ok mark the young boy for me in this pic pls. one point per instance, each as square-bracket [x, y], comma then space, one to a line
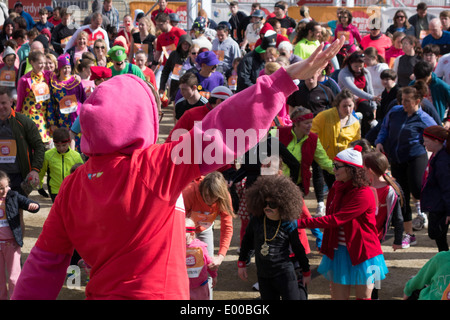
[389, 82]
[43, 22]
[58, 161]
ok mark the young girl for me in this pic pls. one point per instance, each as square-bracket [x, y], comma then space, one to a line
[351, 248]
[197, 262]
[33, 94]
[205, 199]
[67, 96]
[11, 234]
[273, 200]
[83, 69]
[141, 62]
[435, 195]
[8, 71]
[390, 196]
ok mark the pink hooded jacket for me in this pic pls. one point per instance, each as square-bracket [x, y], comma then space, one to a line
[119, 210]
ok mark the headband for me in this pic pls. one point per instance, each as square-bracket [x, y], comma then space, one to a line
[190, 229]
[303, 117]
[432, 136]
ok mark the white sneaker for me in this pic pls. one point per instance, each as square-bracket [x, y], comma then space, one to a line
[420, 222]
[320, 211]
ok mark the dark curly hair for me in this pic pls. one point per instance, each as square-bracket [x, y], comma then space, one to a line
[281, 190]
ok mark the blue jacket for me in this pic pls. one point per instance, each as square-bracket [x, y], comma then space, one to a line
[435, 194]
[401, 135]
[29, 19]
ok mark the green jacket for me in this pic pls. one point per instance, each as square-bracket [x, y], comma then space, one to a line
[30, 148]
[58, 166]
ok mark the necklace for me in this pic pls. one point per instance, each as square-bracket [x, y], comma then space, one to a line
[265, 246]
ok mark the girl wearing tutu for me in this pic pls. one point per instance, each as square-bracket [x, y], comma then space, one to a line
[351, 248]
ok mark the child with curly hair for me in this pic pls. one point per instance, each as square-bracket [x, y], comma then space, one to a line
[274, 201]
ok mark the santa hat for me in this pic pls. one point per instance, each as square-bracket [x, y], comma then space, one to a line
[351, 156]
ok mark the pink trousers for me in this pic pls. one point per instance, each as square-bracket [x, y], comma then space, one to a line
[10, 268]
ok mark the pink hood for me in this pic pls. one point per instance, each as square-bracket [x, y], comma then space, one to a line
[121, 115]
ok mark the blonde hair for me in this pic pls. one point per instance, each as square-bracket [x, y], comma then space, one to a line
[271, 67]
[150, 25]
[215, 185]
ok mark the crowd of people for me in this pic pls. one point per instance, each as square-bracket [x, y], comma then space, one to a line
[364, 115]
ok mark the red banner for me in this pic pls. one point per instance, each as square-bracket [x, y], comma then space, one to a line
[32, 6]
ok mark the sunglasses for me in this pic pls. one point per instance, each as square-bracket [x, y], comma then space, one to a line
[99, 47]
[336, 167]
[271, 204]
[194, 53]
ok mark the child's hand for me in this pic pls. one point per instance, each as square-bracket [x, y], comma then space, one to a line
[33, 206]
[242, 272]
[396, 246]
[306, 280]
[214, 282]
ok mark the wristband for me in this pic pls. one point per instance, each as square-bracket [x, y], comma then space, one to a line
[241, 264]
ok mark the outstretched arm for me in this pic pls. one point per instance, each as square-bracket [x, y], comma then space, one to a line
[241, 121]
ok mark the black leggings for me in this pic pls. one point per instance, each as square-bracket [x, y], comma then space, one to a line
[437, 229]
[284, 285]
[318, 177]
[409, 175]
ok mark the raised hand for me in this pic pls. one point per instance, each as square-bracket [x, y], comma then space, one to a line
[316, 62]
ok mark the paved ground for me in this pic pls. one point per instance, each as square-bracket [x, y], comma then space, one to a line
[402, 264]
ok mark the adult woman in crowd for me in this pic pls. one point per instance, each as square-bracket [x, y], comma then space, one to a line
[395, 50]
[7, 31]
[144, 39]
[100, 54]
[307, 39]
[351, 33]
[81, 46]
[337, 127]
[400, 139]
[404, 64]
[355, 77]
[401, 24]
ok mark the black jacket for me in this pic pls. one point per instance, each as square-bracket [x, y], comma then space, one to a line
[248, 70]
[13, 202]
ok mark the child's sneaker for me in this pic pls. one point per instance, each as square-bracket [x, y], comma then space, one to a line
[408, 240]
[418, 223]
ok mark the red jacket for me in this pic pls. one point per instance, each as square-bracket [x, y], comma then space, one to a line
[353, 209]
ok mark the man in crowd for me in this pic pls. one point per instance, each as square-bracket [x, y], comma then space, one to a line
[94, 31]
[21, 132]
[225, 48]
[162, 9]
[18, 8]
[421, 20]
[191, 97]
[437, 36]
[62, 33]
[112, 13]
[236, 21]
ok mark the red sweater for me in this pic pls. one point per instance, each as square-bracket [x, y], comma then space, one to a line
[353, 209]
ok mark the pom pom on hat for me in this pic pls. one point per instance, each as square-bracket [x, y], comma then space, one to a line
[351, 156]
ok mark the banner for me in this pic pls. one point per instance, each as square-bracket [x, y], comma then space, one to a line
[32, 6]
